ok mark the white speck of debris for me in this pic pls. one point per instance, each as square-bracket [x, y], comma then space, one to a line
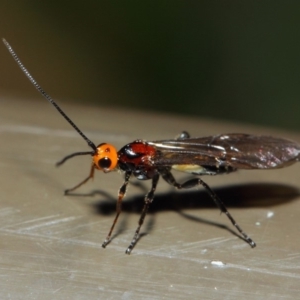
[257, 223]
[217, 263]
[270, 214]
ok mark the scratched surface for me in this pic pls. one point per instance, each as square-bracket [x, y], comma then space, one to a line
[50, 244]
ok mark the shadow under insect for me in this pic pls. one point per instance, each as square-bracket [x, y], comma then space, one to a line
[235, 196]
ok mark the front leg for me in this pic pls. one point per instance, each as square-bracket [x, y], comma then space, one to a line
[168, 177]
[91, 176]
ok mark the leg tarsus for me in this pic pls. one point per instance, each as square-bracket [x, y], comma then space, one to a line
[59, 163]
[91, 175]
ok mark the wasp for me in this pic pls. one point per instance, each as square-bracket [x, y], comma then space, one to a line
[144, 160]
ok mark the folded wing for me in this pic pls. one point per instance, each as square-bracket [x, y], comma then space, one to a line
[238, 151]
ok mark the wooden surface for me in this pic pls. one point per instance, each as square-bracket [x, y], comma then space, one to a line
[50, 244]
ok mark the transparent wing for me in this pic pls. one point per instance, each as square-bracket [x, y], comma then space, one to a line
[239, 151]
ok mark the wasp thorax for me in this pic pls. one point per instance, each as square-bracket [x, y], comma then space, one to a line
[106, 158]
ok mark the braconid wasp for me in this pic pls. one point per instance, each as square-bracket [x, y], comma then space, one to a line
[210, 155]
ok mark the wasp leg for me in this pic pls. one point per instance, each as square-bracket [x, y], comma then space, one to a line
[148, 200]
[182, 136]
[122, 193]
[91, 175]
[168, 177]
[59, 163]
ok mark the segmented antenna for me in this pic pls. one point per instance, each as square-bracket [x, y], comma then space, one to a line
[39, 88]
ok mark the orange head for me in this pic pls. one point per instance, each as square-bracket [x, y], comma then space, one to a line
[106, 157]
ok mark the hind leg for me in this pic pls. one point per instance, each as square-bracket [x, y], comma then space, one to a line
[191, 183]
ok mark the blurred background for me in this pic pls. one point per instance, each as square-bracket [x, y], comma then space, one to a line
[231, 60]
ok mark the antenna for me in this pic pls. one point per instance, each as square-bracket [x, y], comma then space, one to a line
[39, 88]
